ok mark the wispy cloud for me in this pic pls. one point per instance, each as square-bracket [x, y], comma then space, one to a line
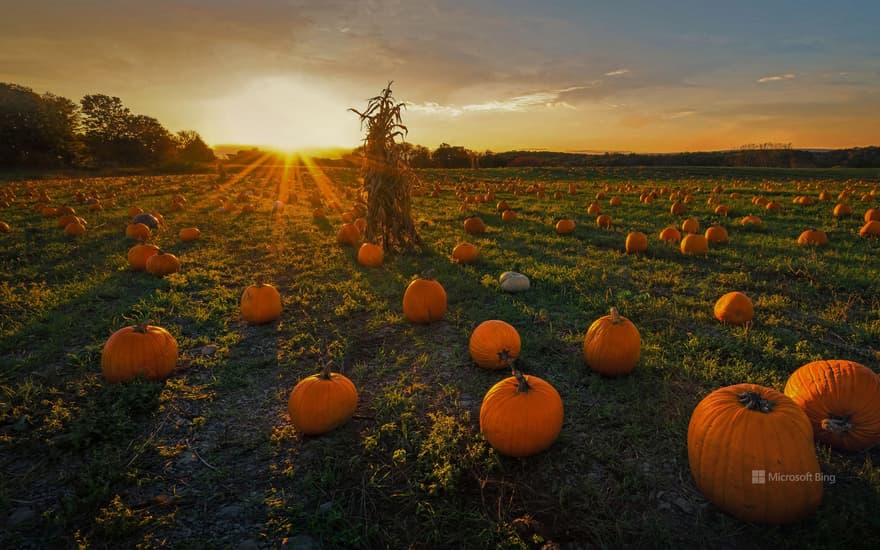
[617, 72]
[547, 99]
[777, 77]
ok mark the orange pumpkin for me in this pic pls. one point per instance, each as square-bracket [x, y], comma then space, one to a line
[349, 235]
[734, 308]
[464, 253]
[474, 225]
[813, 237]
[842, 401]
[870, 229]
[677, 208]
[594, 209]
[604, 221]
[670, 234]
[694, 244]
[370, 255]
[138, 231]
[74, 229]
[188, 234]
[161, 264]
[521, 415]
[139, 254]
[751, 453]
[260, 304]
[872, 215]
[494, 344]
[841, 210]
[636, 241]
[690, 225]
[716, 235]
[322, 402]
[141, 350]
[565, 226]
[750, 220]
[612, 345]
[508, 216]
[424, 300]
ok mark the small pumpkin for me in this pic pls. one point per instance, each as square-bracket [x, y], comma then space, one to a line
[147, 219]
[841, 210]
[474, 225]
[424, 300]
[690, 225]
[349, 235]
[716, 234]
[260, 304]
[139, 254]
[677, 208]
[750, 220]
[494, 344]
[521, 415]
[694, 244]
[734, 308]
[842, 401]
[143, 350]
[594, 209]
[162, 263]
[189, 234]
[322, 402]
[4, 227]
[464, 253]
[137, 231]
[74, 229]
[813, 237]
[612, 345]
[670, 234]
[636, 241]
[603, 221]
[511, 281]
[370, 255]
[751, 454]
[565, 226]
[872, 215]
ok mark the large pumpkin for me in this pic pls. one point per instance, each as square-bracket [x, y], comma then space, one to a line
[636, 241]
[813, 237]
[694, 244]
[349, 235]
[188, 234]
[842, 401]
[137, 231]
[139, 254]
[734, 308]
[565, 226]
[870, 229]
[424, 300]
[260, 303]
[142, 350]
[716, 234]
[521, 415]
[494, 344]
[322, 402]
[751, 453]
[670, 234]
[612, 345]
[690, 225]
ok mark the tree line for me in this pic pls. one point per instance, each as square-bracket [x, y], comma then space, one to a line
[51, 131]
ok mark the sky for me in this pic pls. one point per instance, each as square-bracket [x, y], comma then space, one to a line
[625, 75]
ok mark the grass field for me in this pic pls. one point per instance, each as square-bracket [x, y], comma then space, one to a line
[209, 458]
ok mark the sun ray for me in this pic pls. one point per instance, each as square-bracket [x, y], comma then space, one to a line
[325, 185]
[224, 187]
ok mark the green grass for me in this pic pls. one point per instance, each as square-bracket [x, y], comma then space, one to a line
[209, 458]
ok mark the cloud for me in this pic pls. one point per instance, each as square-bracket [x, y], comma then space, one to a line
[548, 99]
[777, 77]
[617, 72]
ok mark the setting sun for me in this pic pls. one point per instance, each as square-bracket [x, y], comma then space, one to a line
[285, 113]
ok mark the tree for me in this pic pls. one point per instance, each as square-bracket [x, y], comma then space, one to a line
[36, 130]
[116, 136]
[191, 147]
[387, 177]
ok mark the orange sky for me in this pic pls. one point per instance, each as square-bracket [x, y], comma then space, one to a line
[635, 76]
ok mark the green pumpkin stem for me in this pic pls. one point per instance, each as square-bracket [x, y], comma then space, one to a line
[615, 316]
[325, 372]
[836, 424]
[523, 386]
[143, 326]
[754, 402]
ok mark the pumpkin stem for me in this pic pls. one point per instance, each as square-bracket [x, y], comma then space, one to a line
[429, 274]
[523, 386]
[325, 372]
[615, 316]
[143, 326]
[505, 358]
[836, 424]
[754, 402]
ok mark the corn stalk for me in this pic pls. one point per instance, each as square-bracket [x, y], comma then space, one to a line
[387, 176]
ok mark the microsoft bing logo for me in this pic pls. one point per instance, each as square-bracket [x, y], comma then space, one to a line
[760, 477]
